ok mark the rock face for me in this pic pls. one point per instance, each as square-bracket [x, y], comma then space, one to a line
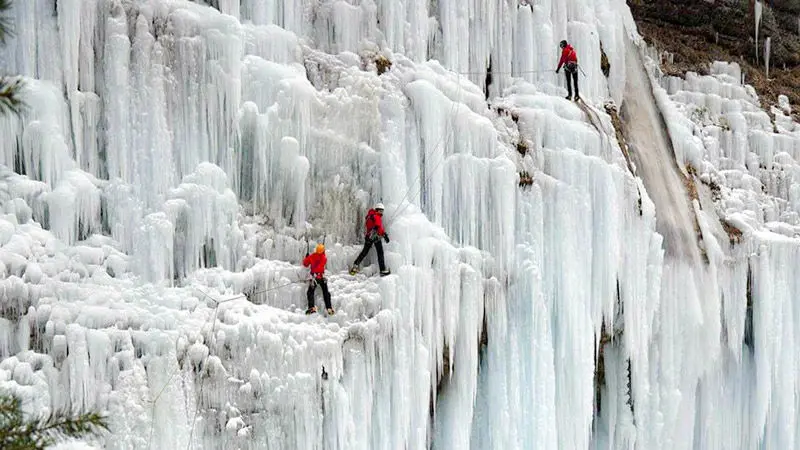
[731, 24]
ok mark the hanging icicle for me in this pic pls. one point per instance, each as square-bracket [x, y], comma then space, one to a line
[766, 56]
[758, 7]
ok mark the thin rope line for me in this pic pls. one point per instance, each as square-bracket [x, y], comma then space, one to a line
[446, 134]
[512, 72]
[446, 137]
[172, 375]
[442, 136]
[213, 317]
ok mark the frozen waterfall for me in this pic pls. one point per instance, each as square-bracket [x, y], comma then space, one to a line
[177, 158]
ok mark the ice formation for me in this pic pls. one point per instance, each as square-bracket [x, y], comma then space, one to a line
[758, 11]
[176, 159]
[766, 56]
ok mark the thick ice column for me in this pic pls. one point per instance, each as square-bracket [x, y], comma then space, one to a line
[23, 61]
[45, 153]
[568, 288]
[525, 61]
[395, 170]
[349, 24]
[74, 207]
[70, 26]
[604, 187]
[153, 252]
[612, 37]
[531, 368]
[117, 96]
[477, 206]
[204, 210]
[614, 425]
[405, 27]
[230, 7]
[87, 120]
[453, 16]
[270, 43]
[204, 100]
[295, 170]
[502, 48]
[591, 81]
[457, 398]
[224, 49]
[758, 8]
[151, 143]
[71, 30]
[446, 128]
[774, 325]
[123, 212]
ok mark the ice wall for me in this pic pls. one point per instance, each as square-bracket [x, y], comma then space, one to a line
[746, 162]
[176, 160]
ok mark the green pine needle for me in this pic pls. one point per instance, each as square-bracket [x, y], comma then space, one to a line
[10, 89]
[6, 24]
[18, 433]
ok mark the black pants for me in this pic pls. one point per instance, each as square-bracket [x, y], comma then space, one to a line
[572, 78]
[378, 248]
[326, 295]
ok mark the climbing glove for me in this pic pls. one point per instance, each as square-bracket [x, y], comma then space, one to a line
[386, 238]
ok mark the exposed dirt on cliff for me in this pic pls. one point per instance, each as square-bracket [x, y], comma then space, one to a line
[699, 32]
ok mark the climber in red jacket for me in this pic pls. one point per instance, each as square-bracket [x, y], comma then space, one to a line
[569, 59]
[374, 232]
[316, 261]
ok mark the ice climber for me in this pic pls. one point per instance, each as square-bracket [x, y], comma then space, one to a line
[374, 232]
[316, 261]
[569, 59]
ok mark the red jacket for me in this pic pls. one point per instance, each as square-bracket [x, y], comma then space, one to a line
[317, 263]
[374, 221]
[568, 55]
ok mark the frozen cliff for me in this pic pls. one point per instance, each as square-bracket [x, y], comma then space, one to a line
[159, 191]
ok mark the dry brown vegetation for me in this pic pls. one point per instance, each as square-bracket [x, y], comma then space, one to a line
[734, 234]
[697, 33]
[693, 53]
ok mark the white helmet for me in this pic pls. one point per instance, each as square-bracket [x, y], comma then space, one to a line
[378, 207]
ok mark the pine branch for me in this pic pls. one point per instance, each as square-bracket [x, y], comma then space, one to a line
[48, 431]
[59, 425]
[6, 24]
[17, 433]
[10, 408]
[10, 88]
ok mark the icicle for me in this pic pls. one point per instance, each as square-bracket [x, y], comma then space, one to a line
[757, 9]
[230, 7]
[500, 294]
[766, 57]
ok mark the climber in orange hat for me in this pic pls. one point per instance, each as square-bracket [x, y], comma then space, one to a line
[316, 262]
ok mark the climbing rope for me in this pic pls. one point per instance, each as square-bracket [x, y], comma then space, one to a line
[172, 375]
[512, 72]
[213, 317]
[445, 136]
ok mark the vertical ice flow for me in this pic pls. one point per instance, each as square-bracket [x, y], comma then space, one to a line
[175, 154]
